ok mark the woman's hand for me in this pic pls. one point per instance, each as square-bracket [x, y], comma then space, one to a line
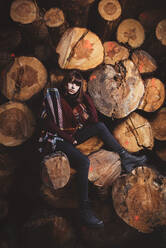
[75, 142]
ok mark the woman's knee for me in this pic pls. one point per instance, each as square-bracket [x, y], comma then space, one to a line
[100, 125]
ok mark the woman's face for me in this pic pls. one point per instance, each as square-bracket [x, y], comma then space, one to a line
[72, 88]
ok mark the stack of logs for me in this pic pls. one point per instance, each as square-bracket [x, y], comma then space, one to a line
[121, 55]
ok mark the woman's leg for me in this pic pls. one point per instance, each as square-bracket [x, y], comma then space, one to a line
[80, 162]
[129, 162]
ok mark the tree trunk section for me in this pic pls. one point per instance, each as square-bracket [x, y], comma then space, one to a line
[23, 11]
[116, 91]
[144, 61]
[161, 31]
[158, 124]
[132, 32]
[134, 133]
[139, 199]
[17, 123]
[80, 49]
[26, 77]
[110, 10]
[114, 53]
[154, 95]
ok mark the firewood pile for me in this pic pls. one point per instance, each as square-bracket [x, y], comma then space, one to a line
[119, 46]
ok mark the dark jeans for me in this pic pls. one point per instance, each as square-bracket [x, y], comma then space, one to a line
[81, 162]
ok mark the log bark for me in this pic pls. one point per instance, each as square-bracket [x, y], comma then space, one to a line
[161, 31]
[110, 10]
[139, 199]
[161, 150]
[150, 18]
[17, 123]
[132, 32]
[158, 124]
[144, 61]
[116, 91]
[3, 208]
[25, 78]
[66, 197]
[114, 53]
[154, 95]
[80, 49]
[10, 38]
[23, 11]
[134, 133]
[76, 11]
[48, 229]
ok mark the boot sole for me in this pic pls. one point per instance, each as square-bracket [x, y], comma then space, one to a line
[95, 226]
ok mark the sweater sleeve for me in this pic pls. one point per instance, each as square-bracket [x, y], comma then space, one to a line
[91, 108]
[49, 125]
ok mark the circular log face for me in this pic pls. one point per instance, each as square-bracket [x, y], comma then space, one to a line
[26, 77]
[54, 17]
[114, 53]
[154, 95]
[140, 199]
[104, 168]
[131, 31]
[159, 124]
[116, 92]
[161, 31]
[56, 170]
[79, 49]
[23, 11]
[16, 123]
[134, 133]
[144, 61]
[109, 9]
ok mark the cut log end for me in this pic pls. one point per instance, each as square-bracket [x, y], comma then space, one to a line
[161, 31]
[132, 32]
[54, 17]
[139, 199]
[109, 9]
[23, 11]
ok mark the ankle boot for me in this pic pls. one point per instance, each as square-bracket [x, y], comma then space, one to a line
[87, 217]
[129, 162]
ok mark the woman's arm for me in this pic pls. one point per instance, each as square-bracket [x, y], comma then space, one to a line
[91, 108]
[49, 125]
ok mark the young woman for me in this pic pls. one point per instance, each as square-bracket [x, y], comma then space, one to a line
[69, 118]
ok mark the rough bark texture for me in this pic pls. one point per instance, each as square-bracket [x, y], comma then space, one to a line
[132, 32]
[116, 92]
[25, 78]
[134, 133]
[139, 199]
[17, 123]
[80, 49]
[154, 95]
